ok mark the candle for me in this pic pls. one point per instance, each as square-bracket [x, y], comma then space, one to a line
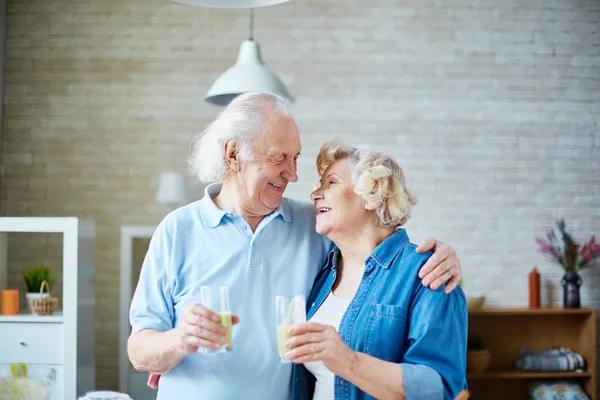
[10, 302]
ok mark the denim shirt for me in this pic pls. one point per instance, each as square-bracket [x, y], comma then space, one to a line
[394, 318]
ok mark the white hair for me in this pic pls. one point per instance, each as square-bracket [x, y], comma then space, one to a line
[241, 120]
[376, 177]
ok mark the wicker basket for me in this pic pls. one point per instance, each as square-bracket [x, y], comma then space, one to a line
[45, 306]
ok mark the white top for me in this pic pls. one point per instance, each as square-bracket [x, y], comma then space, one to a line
[330, 313]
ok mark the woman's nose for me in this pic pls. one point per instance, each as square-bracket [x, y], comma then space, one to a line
[316, 195]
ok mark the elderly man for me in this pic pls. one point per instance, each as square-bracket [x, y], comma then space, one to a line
[245, 234]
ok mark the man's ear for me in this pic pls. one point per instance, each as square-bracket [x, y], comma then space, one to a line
[232, 154]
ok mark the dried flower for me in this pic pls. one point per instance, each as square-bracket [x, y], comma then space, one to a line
[571, 255]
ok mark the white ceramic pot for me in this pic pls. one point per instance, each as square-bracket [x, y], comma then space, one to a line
[105, 395]
[33, 295]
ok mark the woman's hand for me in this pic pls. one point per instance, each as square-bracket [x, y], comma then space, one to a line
[316, 342]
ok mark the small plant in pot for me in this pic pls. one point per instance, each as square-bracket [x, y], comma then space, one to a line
[33, 278]
[478, 355]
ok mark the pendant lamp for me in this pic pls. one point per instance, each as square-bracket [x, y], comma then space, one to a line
[248, 74]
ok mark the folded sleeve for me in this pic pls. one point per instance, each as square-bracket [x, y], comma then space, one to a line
[152, 303]
[434, 365]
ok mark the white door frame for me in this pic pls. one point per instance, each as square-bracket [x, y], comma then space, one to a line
[128, 234]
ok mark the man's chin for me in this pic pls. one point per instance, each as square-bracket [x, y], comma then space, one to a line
[272, 204]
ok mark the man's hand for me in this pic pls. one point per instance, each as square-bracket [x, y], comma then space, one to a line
[198, 327]
[464, 395]
[153, 381]
[442, 266]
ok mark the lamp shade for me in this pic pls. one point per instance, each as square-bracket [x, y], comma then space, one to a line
[248, 74]
[232, 3]
[172, 190]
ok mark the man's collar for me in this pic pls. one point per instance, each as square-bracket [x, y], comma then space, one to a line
[284, 211]
[213, 215]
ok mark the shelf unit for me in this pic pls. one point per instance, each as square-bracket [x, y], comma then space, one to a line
[506, 330]
[57, 317]
[64, 342]
[516, 374]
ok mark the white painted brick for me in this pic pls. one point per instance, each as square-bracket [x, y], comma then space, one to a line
[492, 108]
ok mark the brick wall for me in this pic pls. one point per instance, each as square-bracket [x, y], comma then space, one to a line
[492, 108]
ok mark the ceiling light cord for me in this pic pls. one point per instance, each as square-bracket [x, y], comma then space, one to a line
[251, 33]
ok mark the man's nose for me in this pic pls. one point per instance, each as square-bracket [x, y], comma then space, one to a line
[291, 172]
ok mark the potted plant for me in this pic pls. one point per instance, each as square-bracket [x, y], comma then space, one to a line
[572, 256]
[33, 278]
[478, 355]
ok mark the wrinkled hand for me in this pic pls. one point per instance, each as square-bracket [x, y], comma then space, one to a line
[198, 327]
[441, 267]
[316, 342]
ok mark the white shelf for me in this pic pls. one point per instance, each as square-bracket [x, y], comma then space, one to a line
[38, 224]
[75, 324]
[55, 318]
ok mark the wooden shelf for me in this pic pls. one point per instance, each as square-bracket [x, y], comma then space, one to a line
[57, 317]
[527, 311]
[517, 374]
[507, 331]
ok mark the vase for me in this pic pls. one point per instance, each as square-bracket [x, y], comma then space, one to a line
[33, 295]
[571, 282]
[478, 361]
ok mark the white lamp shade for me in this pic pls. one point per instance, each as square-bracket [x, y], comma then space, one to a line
[172, 190]
[248, 74]
[231, 3]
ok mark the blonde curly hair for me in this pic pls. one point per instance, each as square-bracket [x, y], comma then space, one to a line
[376, 177]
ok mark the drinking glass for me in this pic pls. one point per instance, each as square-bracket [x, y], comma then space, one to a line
[290, 310]
[218, 302]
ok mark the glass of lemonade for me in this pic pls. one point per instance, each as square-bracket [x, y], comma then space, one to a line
[290, 310]
[218, 302]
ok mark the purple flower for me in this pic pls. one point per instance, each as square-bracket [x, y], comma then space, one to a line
[571, 256]
[589, 251]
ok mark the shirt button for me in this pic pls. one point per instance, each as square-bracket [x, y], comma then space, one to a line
[313, 304]
[244, 227]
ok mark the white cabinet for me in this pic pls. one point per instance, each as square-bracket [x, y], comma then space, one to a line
[61, 344]
[36, 342]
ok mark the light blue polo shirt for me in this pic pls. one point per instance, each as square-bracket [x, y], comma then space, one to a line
[200, 244]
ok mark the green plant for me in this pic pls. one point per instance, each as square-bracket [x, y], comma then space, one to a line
[35, 275]
[475, 343]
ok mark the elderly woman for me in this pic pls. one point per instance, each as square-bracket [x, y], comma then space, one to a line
[374, 330]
